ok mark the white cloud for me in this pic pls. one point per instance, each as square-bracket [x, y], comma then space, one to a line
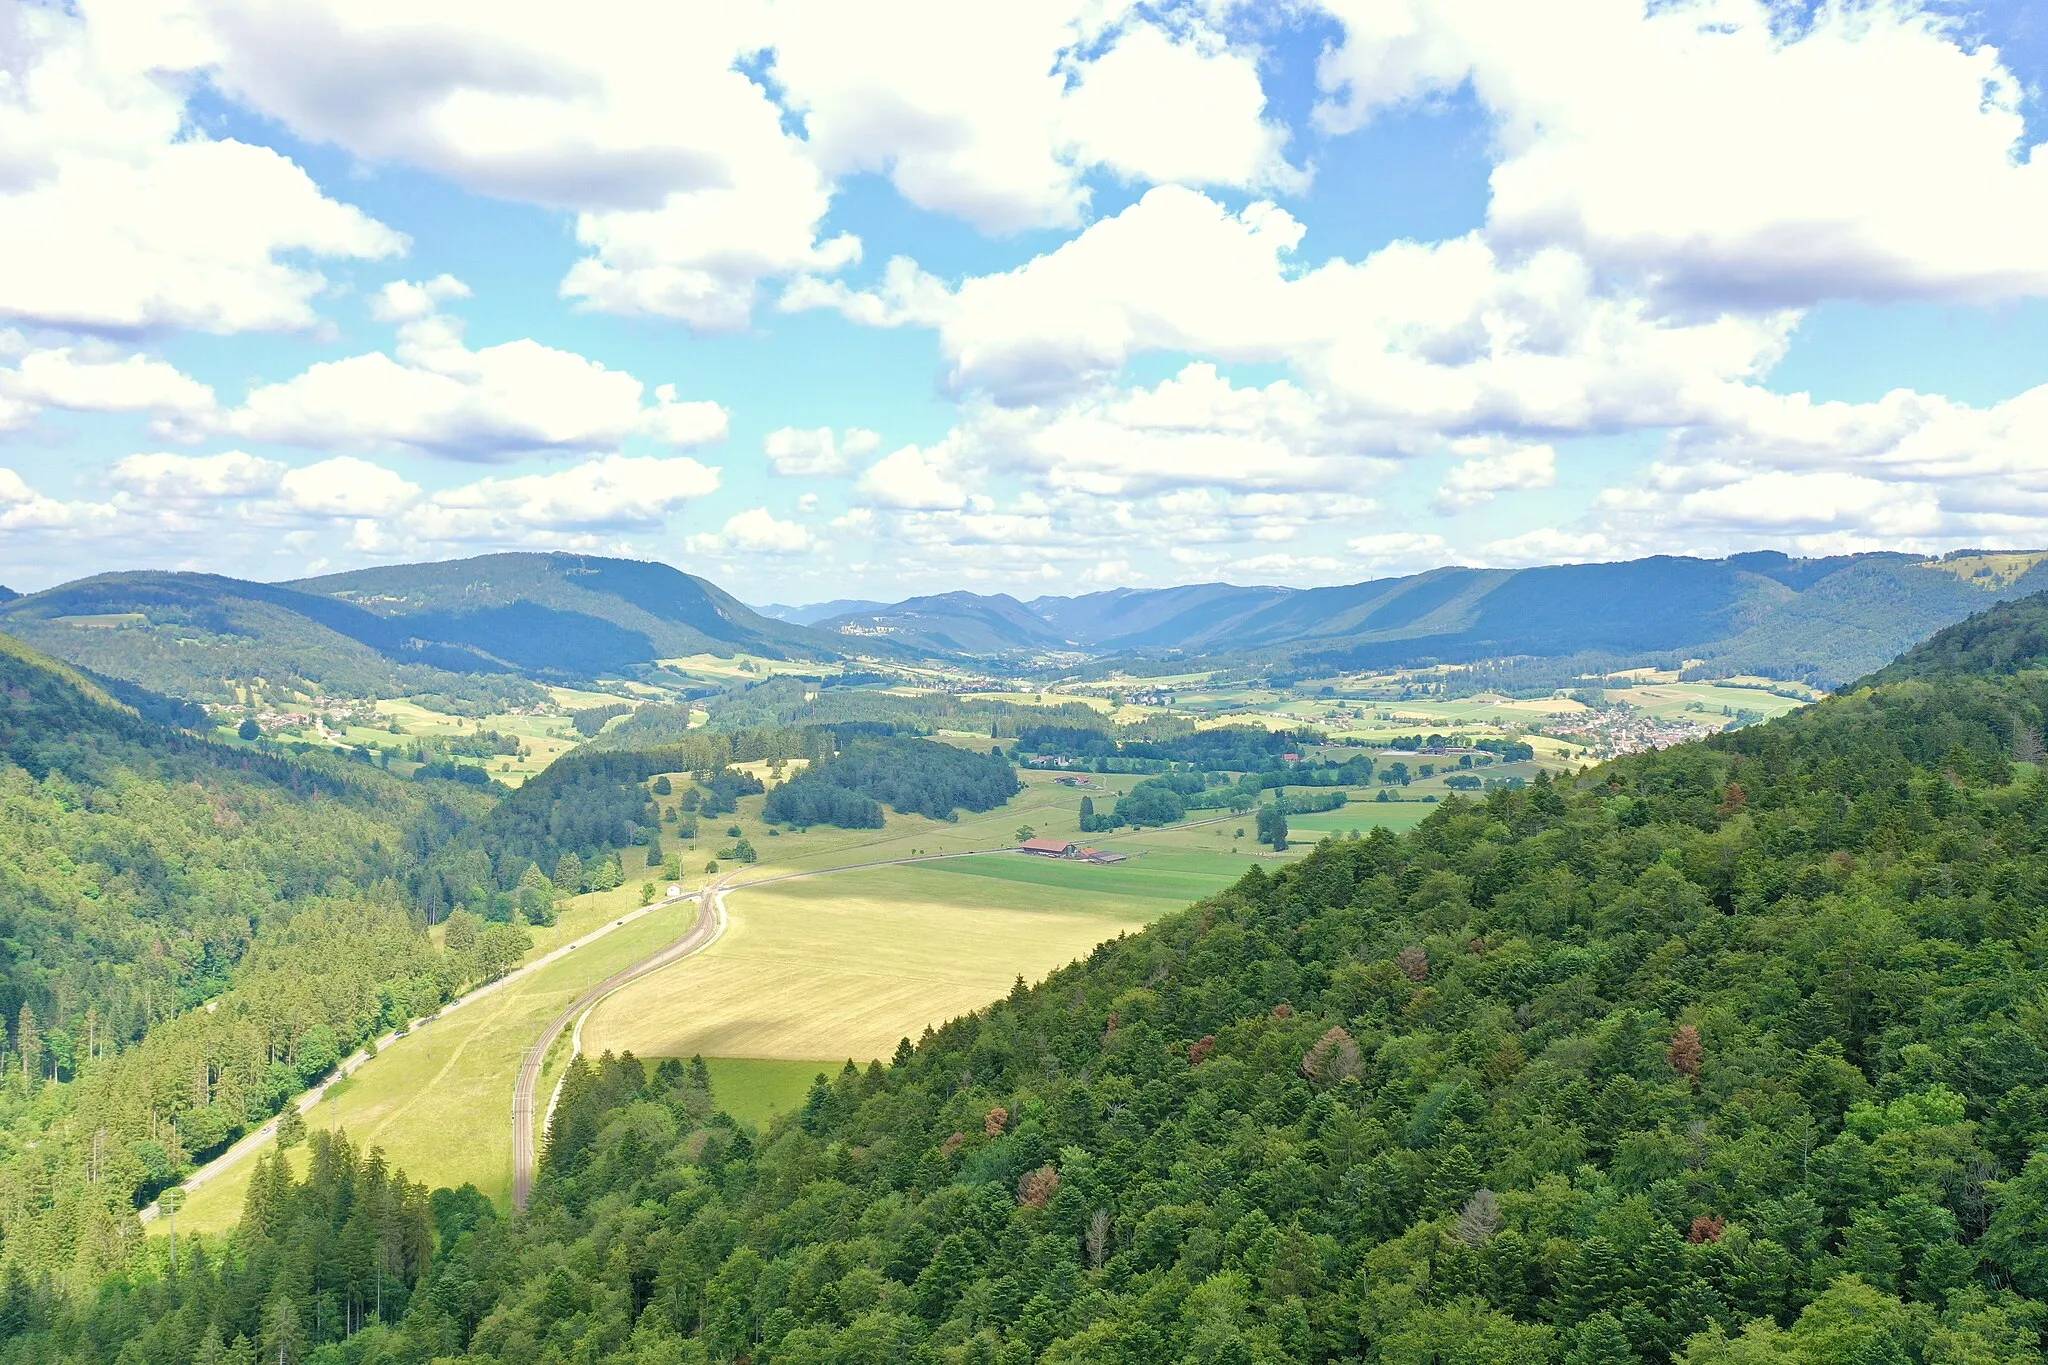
[1408, 549]
[24, 509]
[486, 405]
[914, 478]
[1726, 149]
[686, 187]
[993, 113]
[1159, 108]
[347, 487]
[754, 531]
[122, 203]
[409, 300]
[95, 379]
[1494, 467]
[815, 452]
[1552, 545]
[616, 491]
[195, 478]
[1421, 339]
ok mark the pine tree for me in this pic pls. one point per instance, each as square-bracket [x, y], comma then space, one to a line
[1602, 1342]
[29, 1041]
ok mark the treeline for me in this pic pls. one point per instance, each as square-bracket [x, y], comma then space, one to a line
[1235, 748]
[1173, 797]
[912, 776]
[789, 701]
[1726, 1055]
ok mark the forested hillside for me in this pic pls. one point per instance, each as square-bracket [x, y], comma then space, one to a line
[1729, 1053]
[214, 639]
[144, 873]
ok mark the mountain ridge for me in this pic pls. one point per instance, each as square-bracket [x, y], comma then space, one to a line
[1825, 620]
[449, 626]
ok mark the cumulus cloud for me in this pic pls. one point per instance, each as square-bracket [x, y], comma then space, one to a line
[1494, 467]
[914, 478]
[434, 394]
[615, 491]
[799, 452]
[754, 531]
[166, 477]
[1440, 337]
[410, 300]
[118, 198]
[22, 508]
[347, 487]
[1728, 151]
[98, 379]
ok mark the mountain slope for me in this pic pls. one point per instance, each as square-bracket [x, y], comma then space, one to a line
[206, 637]
[1823, 620]
[813, 613]
[2009, 638]
[954, 623]
[145, 872]
[561, 613]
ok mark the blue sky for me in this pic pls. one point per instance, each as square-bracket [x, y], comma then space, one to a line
[868, 300]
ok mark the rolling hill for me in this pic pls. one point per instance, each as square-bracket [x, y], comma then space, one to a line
[473, 629]
[1823, 620]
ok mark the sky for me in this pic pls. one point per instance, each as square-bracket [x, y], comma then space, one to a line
[828, 298]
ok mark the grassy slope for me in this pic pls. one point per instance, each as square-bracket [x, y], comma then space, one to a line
[439, 1101]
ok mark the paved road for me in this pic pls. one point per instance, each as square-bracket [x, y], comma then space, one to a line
[711, 919]
[252, 1142]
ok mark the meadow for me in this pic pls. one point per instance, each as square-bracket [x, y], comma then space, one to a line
[438, 1101]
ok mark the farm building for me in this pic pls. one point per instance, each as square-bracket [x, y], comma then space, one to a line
[1048, 848]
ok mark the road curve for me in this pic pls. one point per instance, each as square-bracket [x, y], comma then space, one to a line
[253, 1141]
[710, 924]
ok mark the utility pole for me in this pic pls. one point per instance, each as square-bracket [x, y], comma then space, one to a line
[170, 1201]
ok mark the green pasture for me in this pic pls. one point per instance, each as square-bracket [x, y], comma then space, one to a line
[758, 1090]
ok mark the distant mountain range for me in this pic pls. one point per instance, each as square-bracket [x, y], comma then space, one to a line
[482, 631]
[1826, 619]
[448, 627]
[818, 611]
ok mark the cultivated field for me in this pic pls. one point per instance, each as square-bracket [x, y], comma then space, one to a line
[844, 965]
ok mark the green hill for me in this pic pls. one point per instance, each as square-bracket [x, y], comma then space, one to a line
[570, 614]
[472, 632]
[1731, 1054]
[2009, 638]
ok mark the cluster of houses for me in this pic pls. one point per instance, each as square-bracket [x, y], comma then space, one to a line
[1067, 848]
